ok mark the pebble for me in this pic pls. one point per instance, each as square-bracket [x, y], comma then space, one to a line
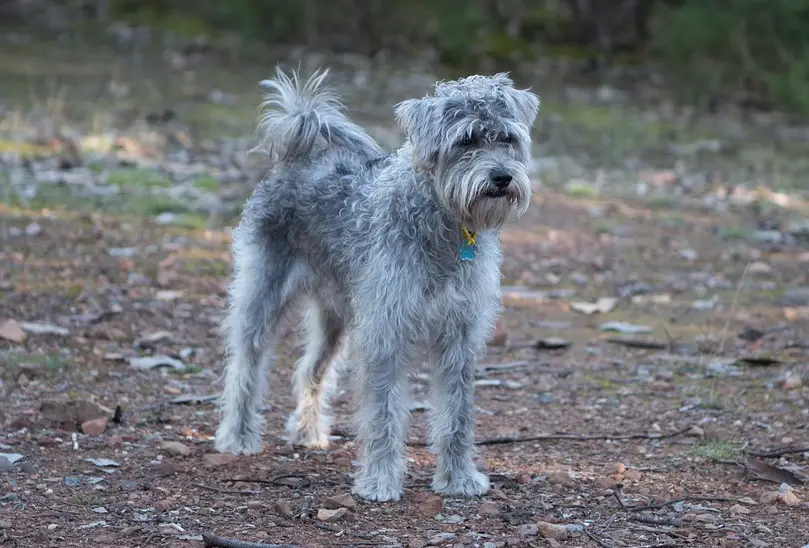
[72, 481]
[284, 508]
[553, 530]
[428, 504]
[5, 465]
[739, 509]
[632, 475]
[792, 382]
[606, 483]
[616, 468]
[561, 477]
[344, 500]
[219, 459]
[94, 427]
[789, 498]
[324, 514]
[441, 538]
[528, 530]
[489, 509]
[175, 448]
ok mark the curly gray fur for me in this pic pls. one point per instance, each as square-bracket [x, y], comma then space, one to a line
[368, 243]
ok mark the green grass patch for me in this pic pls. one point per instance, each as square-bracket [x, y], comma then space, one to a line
[138, 177]
[717, 450]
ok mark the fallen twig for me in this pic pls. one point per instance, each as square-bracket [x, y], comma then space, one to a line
[502, 366]
[699, 498]
[778, 452]
[597, 540]
[276, 480]
[652, 519]
[226, 491]
[577, 437]
[212, 541]
[617, 495]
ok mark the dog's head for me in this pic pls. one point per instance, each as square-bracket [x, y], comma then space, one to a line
[472, 138]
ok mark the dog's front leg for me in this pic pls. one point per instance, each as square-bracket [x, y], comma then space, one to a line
[383, 417]
[452, 422]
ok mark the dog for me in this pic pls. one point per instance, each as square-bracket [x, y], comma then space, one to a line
[394, 257]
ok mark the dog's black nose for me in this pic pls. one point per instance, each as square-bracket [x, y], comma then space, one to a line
[500, 178]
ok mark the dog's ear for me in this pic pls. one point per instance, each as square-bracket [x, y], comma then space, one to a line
[524, 104]
[419, 118]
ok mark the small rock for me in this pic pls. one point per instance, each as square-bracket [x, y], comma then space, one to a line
[792, 382]
[528, 530]
[94, 427]
[12, 457]
[441, 538]
[324, 514]
[759, 267]
[789, 498]
[10, 330]
[758, 543]
[796, 296]
[616, 468]
[72, 481]
[561, 477]
[524, 479]
[632, 475]
[176, 448]
[100, 510]
[552, 530]
[284, 508]
[769, 497]
[340, 501]
[216, 460]
[696, 432]
[489, 509]
[739, 509]
[501, 335]
[429, 504]
[5, 465]
[33, 229]
[606, 483]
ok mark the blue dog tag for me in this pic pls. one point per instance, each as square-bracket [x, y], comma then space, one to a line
[468, 251]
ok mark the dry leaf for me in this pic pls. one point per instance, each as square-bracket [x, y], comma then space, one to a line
[602, 305]
[767, 472]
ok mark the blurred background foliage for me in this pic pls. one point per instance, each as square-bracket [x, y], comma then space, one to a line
[755, 51]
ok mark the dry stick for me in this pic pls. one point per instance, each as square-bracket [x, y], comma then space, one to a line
[212, 541]
[681, 499]
[226, 491]
[576, 437]
[597, 540]
[778, 452]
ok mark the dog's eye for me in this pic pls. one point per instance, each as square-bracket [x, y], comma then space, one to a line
[507, 139]
[466, 141]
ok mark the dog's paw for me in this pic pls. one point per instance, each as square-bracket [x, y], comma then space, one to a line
[465, 484]
[311, 436]
[226, 442]
[377, 489]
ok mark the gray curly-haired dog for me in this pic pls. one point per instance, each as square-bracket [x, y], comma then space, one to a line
[396, 258]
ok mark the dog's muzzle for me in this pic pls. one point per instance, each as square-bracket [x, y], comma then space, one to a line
[499, 182]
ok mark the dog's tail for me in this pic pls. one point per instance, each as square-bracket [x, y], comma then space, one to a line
[300, 116]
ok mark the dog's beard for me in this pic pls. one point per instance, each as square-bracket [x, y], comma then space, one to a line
[466, 189]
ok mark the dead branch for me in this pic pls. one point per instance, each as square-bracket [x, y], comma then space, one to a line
[597, 540]
[653, 519]
[778, 452]
[226, 491]
[699, 498]
[276, 480]
[212, 541]
[576, 437]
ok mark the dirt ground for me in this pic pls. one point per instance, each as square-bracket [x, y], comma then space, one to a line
[648, 386]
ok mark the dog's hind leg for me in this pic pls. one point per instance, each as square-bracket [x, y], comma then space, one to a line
[316, 377]
[264, 282]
